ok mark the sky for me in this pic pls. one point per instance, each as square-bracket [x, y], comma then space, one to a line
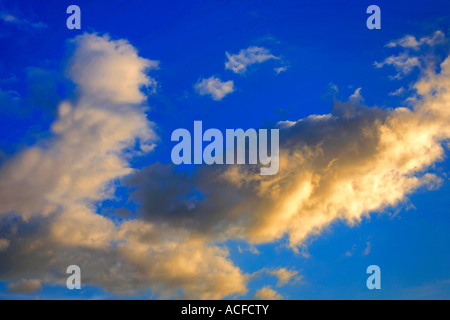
[87, 179]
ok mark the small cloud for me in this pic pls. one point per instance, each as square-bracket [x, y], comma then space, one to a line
[349, 253]
[397, 92]
[367, 249]
[403, 63]
[365, 252]
[405, 42]
[333, 87]
[280, 69]
[214, 87]
[267, 293]
[25, 286]
[406, 62]
[286, 124]
[285, 276]
[356, 96]
[409, 41]
[251, 249]
[12, 19]
[239, 62]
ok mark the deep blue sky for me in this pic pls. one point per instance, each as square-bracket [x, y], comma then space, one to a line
[320, 43]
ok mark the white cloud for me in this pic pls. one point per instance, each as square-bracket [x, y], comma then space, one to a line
[340, 166]
[403, 63]
[408, 60]
[110, 70]
[239, 62]
[85, 154]
[53, 188]
[280, 69]
[409, 41]
[397, 92]
[356, 96]
[214, 87]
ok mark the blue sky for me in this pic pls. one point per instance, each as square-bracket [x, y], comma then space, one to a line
[326, 53]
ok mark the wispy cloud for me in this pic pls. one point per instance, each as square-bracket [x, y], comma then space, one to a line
[366, 251]
[20, 22]
[280, 70]
[397, 92]
[239, 62]
[409, 41]
[409, 60]
[251, 249]
[403, 63]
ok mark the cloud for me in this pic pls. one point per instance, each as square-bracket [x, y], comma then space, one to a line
[49, 192]
[280, 70]
[172, 258]
[85, 154]
[409, 60]
[20, 22]
[25, 286]
[344, 165]
[409, 41]
[109, 70]
[214, 87]
[267, 293]
[397, 92]
[285, 276]
[349, 253]
[356, 96]
[239, 62]
[340, 166]
[251, 249]
[403, 63]
[171, 262]
[366, 251]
